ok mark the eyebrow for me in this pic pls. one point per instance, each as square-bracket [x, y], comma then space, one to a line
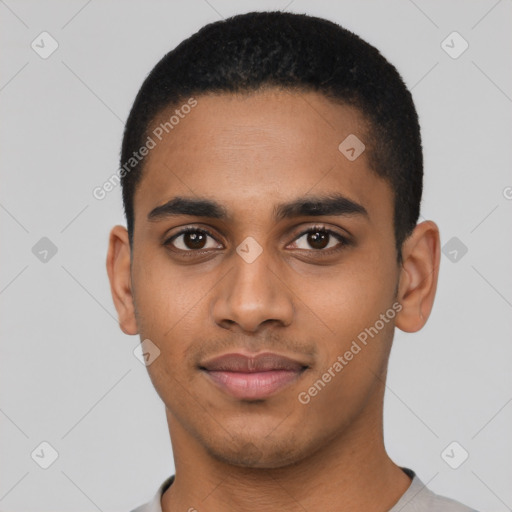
[307, 206]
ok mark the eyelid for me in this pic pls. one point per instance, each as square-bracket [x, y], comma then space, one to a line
[321, 227]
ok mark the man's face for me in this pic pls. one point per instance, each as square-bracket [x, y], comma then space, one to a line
[307, 296]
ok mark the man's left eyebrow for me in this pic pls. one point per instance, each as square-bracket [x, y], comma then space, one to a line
[334, 204]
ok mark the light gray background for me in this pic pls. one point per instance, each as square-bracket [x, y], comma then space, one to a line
[68, 374]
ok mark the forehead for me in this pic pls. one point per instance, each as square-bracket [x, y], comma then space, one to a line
[259, 149]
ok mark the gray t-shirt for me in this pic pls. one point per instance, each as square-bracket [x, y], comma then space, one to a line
[417, 498]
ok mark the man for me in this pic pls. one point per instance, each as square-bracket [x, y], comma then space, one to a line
[272, 176]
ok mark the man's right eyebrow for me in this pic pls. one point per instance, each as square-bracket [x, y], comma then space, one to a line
[188, 206]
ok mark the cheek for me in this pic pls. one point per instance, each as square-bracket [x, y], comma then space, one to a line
[168, 316]
[349, 371]
[348, 306]
[163, 294]
[166, 306]
[349, 298]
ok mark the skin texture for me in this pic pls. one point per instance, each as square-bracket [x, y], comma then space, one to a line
[250, 153]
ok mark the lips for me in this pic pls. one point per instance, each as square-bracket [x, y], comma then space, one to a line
[251, 364]
[252, 377]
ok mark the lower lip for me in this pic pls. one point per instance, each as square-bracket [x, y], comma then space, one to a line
[253, 386]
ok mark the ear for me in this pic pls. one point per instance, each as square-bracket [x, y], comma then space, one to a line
[418, 276]
[118, 269]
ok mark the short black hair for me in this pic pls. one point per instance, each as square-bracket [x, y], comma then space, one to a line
[300, 53]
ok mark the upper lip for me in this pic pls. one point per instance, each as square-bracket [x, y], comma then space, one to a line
[264, 362]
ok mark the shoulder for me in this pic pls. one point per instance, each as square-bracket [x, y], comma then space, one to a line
[444, 504]
[155, 504]
[419, 498]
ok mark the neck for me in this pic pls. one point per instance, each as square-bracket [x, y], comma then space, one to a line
[352, 471]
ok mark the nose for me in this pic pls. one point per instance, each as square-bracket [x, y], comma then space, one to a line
[252, 295]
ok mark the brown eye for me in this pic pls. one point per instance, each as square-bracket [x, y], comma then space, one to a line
[320, 239]
[193, 239]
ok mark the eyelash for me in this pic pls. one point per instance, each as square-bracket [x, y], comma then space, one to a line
[344, 241]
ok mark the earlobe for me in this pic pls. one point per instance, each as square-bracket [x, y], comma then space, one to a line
[418, 277]
[118, 270]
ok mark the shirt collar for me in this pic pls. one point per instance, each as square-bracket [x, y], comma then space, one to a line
[155, 505]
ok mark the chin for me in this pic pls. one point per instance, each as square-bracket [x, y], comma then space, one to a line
[262, 454]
